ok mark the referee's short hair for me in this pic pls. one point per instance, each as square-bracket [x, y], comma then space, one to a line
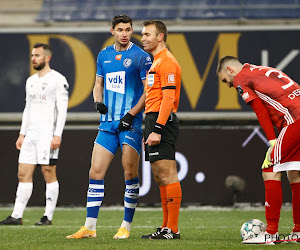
[160, 27]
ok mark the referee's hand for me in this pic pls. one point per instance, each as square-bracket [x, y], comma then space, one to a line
[153, 139]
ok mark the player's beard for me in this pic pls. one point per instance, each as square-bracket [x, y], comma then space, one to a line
[39, 66]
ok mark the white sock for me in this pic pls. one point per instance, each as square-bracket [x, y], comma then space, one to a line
[52, 190]
[90, 223]
[126, 224]
[23, 194]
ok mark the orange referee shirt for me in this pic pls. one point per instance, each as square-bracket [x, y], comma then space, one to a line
[163, 86]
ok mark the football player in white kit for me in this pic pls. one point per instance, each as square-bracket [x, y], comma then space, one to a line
[42, 126]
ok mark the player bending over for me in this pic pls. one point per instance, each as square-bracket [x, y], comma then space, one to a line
[275, 99]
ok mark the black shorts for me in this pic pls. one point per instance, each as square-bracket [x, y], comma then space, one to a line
[165, 150]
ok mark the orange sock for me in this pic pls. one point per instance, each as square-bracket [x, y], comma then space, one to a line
[163, 197]
[174, 196]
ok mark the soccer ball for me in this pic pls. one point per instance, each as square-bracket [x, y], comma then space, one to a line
[252, 228]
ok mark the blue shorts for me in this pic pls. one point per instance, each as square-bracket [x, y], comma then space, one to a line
[111, 138]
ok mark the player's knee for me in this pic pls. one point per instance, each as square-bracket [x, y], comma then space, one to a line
[293, 176]
[49, 173]
[24, 177]
[130, 169]
[167, 178]
[96, 174]
[130, 173]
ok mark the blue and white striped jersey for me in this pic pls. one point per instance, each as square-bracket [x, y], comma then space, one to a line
[123, 72]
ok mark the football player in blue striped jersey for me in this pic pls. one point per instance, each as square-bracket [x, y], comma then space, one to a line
[119, 98]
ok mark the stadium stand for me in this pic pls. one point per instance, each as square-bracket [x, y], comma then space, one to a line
[19, 12]
[89, 10]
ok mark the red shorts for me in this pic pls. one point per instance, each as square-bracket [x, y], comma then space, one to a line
[286, 153]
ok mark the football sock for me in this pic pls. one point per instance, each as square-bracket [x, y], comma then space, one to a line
[273, 202]
[52, 190]
[130, 199]
[23, 194]
[174, 196]
[163, 197]
[95, 197]
[126, 224]
[296, 205]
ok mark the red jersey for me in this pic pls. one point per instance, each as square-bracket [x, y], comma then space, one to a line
[279, 93]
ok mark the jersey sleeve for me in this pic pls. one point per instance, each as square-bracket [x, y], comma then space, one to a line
[167, 74]
[145, 65]
[25, 117]
[99, 65]
[263, 118]
[243, 85]
[62, 98]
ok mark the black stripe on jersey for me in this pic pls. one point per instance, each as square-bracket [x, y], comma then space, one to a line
[152, 72]
[168, 87]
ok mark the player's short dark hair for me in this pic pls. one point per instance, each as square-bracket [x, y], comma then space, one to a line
[120, 19]
[224, 61]
[45, 46]
[160, 27]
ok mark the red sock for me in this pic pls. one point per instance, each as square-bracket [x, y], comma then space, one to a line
[163, 197]
[296, 205]
[174, 196]
[273, 202]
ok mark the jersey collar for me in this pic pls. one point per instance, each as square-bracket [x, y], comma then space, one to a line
[128, 48]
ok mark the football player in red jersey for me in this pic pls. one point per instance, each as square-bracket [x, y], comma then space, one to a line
[275, 98]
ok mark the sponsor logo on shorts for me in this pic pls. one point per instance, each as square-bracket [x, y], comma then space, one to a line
[130, 138]
[155, 153]
[45, 155]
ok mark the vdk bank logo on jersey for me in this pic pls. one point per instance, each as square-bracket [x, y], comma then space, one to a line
[115, 81]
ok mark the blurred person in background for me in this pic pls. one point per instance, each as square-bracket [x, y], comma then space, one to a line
[40, 136]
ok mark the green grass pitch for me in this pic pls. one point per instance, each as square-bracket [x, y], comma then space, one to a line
[199, 228]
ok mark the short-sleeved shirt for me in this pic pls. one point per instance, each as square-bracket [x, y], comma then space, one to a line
[123, 72]
[278, 92]
[164, 74]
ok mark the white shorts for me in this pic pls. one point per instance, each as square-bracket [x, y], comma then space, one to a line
[37, 151]
[287, 166]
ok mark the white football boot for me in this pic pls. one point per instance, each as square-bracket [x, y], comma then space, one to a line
[294, 237]
[264, 238]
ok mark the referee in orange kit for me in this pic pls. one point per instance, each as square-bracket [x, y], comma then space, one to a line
[162, 125]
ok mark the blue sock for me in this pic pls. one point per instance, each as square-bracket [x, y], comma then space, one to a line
[130, 198]
[95, 196]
